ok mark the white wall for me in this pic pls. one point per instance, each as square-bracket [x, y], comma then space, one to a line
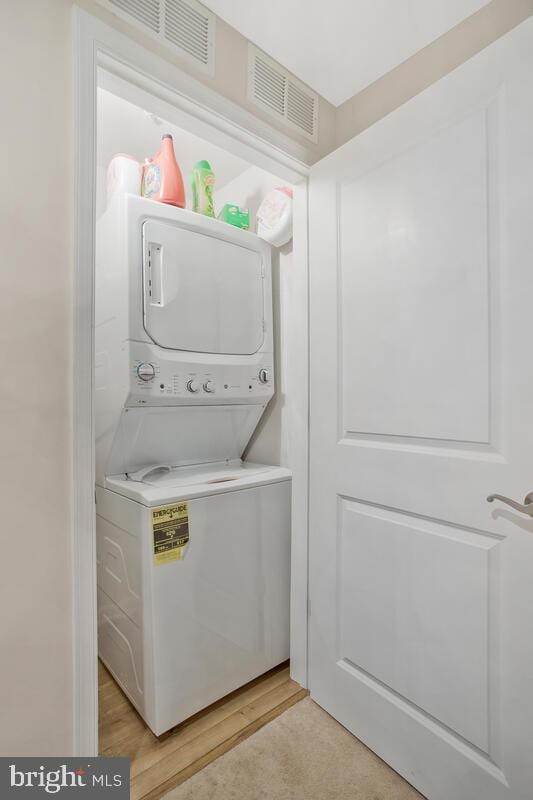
[36, 335]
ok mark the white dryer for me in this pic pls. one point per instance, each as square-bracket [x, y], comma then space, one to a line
[193, 544]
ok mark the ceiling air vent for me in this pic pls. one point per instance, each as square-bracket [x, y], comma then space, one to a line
[185, 26]
[280, 94]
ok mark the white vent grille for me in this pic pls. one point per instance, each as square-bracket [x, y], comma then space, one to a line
[269, 86]
[188, 29]
[281, 95]
[185, 26]
[146, 12]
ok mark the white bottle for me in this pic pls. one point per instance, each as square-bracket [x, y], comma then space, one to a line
[274, 216]
[123, 175]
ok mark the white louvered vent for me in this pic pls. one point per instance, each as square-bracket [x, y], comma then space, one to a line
[281, 95]
[185, 26]
[146, 13]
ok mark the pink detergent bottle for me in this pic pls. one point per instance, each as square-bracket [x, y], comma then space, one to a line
[162, 179]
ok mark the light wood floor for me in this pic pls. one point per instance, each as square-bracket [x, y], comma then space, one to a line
[157, 765]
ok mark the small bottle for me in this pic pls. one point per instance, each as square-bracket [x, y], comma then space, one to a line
[202, 182]
[162, 179]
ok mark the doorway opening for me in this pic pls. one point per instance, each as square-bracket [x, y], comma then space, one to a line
[132, 121]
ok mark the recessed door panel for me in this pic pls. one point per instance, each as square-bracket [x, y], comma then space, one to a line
[202, 294]
[414, 600]
[415, 302]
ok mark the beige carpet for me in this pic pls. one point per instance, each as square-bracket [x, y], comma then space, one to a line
[304, 754]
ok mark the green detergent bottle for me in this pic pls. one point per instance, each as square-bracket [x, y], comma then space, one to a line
[202, 182]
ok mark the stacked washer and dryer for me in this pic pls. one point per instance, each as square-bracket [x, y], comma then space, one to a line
[193, 544]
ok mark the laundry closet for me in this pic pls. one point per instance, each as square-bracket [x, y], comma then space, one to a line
[193, 485]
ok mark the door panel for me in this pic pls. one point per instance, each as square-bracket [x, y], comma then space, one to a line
[389, 561]
[413, 234]
[421, 593]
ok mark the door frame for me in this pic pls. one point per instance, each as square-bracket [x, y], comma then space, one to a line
[96, 47]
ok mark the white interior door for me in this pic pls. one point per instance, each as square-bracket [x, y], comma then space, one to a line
[421, 593]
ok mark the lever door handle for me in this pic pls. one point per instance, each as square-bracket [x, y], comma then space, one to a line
[525, 508]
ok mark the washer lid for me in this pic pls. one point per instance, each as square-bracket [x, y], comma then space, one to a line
[162, 486]
[164, 476]
[180, 435]
[202, 293]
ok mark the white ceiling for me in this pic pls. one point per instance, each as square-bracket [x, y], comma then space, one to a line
[337, 47]
[125, 128]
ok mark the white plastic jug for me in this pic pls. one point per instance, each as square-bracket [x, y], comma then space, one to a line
[123, 175]
[274, 216]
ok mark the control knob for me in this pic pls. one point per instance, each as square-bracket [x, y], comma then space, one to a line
[264, 375]
[145, 371]
[209, 386]
[193, 386]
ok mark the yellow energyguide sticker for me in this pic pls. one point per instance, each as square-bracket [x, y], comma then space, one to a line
[170, 526]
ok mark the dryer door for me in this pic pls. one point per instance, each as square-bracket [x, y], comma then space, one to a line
[201, 293]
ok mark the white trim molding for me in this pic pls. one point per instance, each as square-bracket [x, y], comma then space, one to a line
[84, 542]
[103, 53]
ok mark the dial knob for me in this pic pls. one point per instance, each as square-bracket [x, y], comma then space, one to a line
[145, 371]
[193, 386]
[209, 386]
[264, 375]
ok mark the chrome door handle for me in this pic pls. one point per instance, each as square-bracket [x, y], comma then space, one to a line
[526, 508]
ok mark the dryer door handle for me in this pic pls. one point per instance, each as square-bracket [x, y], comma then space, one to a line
[155, 273]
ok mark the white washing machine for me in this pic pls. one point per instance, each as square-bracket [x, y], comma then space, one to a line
[180, 634]
[193, 544]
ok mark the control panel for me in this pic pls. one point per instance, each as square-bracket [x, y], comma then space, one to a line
[161, 381]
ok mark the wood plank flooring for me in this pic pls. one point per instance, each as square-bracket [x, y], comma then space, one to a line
[157, 765]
